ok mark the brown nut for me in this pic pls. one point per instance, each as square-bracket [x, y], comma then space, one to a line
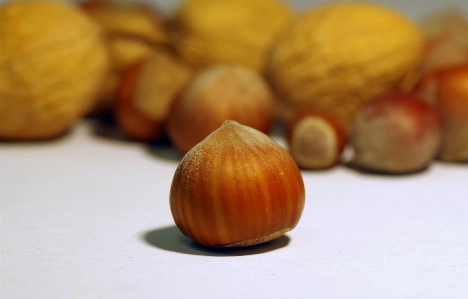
[452, 103]
[236, 188]
[397, 133]
[215, 95]
[315, 140]
[147, 91]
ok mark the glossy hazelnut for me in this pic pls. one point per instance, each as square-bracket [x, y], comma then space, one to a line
[236, 188]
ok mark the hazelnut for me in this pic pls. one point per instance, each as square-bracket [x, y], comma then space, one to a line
[315, 140]
[428, 87]
[236, 188]
[397, 133]
[452, 102]
[53, 61]
[146, 93]
[217, 94]
[337, 57]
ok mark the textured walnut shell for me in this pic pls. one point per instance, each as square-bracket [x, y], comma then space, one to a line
[206, 32]
[52, 63]
[236, 188]
[339, 56]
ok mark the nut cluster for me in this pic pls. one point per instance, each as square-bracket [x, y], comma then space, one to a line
[355, 78]
[132, 32]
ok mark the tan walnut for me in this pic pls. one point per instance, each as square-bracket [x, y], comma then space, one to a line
[338, 56]
[52, 62]
[206, 32]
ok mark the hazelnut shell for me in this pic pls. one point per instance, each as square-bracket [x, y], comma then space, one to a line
[236, 188]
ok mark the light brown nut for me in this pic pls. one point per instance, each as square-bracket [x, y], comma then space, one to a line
[207, 32]
[52, 62]
[339, 56]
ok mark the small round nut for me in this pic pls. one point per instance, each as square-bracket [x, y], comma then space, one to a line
[146, 93]
[215, 95]
[452, 103]
[397, 134]
[316, 140]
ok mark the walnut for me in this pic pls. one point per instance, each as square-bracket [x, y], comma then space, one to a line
[339, 56]
[52, 62]
[207, 32]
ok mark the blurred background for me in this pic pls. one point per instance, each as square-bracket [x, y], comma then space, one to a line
[413, 8]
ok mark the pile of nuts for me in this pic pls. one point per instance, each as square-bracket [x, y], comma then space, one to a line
[343, 75]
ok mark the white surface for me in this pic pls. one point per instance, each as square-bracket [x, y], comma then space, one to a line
[88, 216]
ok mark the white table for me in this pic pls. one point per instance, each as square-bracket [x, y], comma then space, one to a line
[87, 216]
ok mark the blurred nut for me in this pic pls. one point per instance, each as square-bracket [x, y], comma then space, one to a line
[125, 51]
[128, 20]
[130, 120]
[447, 37]
[215, 95]
[52, 62]
[315, 140]
[207, 32]
[146, 93]
[397, 133]
[428, 87]
[337, 57]
[132, 32]
[452, 103]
